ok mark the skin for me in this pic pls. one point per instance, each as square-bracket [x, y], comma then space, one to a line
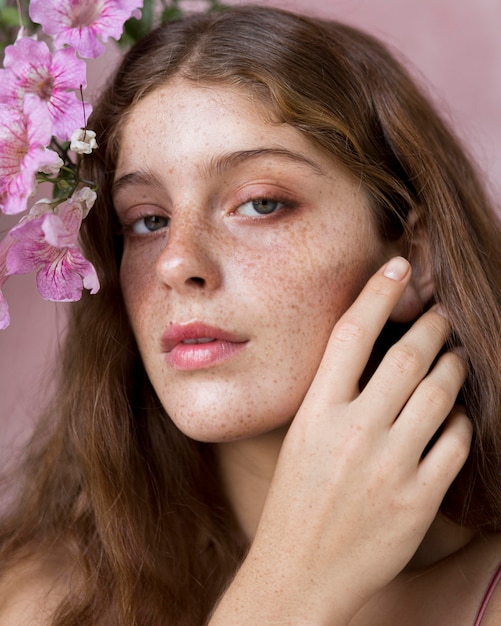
[195, 249]
[279, 281]
[351, 490]
[329, 482]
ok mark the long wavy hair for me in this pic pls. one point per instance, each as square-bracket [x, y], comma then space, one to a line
[135, 505]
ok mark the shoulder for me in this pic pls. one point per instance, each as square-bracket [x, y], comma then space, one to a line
[30, 591]
[489, 613]
[449, 591]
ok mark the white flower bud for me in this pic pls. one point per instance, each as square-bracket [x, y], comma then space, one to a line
[44, 205]
[83, 141]
[86, 198]
[52, 169]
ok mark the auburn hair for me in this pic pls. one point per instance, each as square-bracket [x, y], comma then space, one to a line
[137, 506]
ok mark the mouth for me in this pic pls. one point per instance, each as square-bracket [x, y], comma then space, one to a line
[200, 340]
[195, 345]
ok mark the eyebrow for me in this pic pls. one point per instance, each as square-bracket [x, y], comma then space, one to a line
[221, 163]
[141, 177]
[218, 165]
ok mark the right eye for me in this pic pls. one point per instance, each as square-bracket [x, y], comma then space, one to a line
[149, 224]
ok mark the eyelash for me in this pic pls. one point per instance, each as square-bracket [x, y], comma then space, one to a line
[284, 205]
[130, 227]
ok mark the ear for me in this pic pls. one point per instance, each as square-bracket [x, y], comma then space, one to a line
[420, 290]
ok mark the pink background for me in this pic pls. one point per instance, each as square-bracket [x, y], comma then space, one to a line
[454, 45]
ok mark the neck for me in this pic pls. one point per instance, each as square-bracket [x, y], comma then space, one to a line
[247, 467]
[443, 538]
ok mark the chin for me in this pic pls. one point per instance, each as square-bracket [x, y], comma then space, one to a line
[225, 427]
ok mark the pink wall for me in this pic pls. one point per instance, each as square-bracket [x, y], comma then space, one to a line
[454, 44]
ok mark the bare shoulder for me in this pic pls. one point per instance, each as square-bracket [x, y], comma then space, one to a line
[453, 590]
[489, 550]
[473, 584]
[31, 590]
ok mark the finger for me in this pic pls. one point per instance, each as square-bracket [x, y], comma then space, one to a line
[449, 452]
[405, 365]
[354, 335]
[429, 407]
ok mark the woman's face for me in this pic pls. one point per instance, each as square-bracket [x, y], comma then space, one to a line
[244, 243]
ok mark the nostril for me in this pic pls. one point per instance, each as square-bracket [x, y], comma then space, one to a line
[200, 282]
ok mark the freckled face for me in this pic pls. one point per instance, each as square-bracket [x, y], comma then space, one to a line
[244, 243]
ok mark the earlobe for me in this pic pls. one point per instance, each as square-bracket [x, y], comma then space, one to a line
[420, 290]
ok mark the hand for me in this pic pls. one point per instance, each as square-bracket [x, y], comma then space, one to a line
[353, 493]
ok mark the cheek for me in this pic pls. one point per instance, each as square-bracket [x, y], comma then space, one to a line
[136, 282]
[300, 297]
[319, 280]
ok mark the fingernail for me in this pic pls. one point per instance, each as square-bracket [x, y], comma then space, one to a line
[396, 268]
[460, 351]
[438, 308]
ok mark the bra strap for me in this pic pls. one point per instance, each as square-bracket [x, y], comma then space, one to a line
[490, 590]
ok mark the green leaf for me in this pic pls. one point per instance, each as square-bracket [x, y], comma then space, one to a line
[171, 13]
[215, 5]
[9, 16]
[135, 29]
[59, 194]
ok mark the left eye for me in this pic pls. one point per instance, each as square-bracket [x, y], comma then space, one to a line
[149, 224]
[260, 206]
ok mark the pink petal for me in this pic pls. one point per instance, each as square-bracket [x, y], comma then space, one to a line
[32, 69]
[28, 248]
[5, 245]
[69, 71]
[23, 137]
[10, 91]
[84, 40]
[67, 114]
[83, 24]
[38, 121]
[50, 14]
[46, 243]
[90, 279]
[4, 312]
[27, 54]
[59, 232]
[64, 278]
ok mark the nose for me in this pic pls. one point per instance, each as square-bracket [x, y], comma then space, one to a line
[188, 261]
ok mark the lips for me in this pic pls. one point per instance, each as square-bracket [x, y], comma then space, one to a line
[198, 346]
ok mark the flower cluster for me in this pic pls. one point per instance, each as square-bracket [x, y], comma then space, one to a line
[43, 137]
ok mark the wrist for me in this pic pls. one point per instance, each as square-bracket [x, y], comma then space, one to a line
[272, 593]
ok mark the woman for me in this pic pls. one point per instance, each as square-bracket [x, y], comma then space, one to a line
[234, 439]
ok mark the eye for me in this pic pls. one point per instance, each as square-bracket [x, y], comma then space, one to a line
[259, 206]
[149, 224]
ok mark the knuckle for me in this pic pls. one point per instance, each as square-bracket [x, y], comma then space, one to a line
[347, 331]
[456, 365]
[405, 360]
[437, 324]
[438, 394]
[381, 288]
[463, 433]
[460, 446]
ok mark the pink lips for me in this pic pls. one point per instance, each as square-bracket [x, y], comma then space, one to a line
[198, 346]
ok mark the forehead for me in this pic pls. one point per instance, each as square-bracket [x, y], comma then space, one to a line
[185, 91]
[182, 119]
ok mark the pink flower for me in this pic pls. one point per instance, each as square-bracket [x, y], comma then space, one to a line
[47, 242]
[4, 312]
[84, 24]
[24, 136]
[32, 69]
[4, 308]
